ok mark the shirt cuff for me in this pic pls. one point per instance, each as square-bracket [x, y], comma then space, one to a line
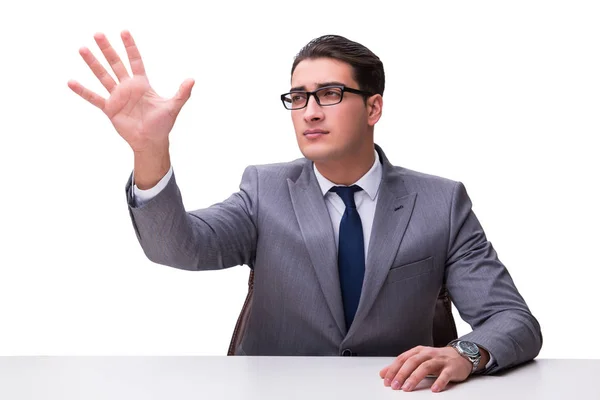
[142, 196]
[491, 362]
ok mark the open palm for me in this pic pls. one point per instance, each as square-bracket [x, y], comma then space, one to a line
[137, 112]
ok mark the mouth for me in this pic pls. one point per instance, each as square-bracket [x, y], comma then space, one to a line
[315, 133]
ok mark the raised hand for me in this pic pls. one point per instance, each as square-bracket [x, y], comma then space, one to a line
[138, 113]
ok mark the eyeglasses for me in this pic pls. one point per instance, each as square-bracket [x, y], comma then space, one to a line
[325, 96]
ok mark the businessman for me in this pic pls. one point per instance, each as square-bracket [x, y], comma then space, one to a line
[349, 252]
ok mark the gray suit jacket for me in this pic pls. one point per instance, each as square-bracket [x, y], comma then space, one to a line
[424, 235]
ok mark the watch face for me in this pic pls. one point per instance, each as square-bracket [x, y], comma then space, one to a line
[469, 348]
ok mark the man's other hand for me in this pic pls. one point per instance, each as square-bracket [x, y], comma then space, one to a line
[412, 366]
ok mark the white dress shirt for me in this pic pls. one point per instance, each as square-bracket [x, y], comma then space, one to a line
[140, 196]
[365, 200]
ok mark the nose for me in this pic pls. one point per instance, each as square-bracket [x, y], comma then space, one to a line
[313, 111]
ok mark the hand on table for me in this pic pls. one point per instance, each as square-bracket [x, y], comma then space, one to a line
[412, 366]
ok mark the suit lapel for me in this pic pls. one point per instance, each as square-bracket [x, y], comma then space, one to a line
[317, 232]
[392, 215]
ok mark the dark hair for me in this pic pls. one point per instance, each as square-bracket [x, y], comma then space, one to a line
[366, 66]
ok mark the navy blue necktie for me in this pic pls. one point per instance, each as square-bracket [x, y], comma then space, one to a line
[351, 252]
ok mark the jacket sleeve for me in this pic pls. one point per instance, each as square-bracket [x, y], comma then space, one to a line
[484, 292]
[220, 236]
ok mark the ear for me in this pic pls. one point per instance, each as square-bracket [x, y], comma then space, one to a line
[374, 109]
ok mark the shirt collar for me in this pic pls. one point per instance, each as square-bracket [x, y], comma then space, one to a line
[369, 182]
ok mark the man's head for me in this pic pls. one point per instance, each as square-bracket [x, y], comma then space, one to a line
[348, 125]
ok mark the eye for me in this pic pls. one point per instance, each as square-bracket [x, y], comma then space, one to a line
[298, 97]
[332, 93]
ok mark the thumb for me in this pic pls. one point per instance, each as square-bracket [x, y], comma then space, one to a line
[182, 95]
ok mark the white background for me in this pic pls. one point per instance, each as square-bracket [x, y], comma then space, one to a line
[503, 96]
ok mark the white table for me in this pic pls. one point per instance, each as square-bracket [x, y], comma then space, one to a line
[281, 378]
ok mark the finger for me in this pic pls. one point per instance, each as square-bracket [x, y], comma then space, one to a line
[393, 368]
[433, 367]
[383, 372]
[441, 382]
[182, 96]
[103, 76]
[409, 353]
[407, 369]
[135, 59]
[111, 56]
[87, 94]
[390, 371]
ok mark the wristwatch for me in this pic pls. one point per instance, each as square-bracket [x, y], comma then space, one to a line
[468, 350]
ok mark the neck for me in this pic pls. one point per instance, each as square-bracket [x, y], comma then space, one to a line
[348, 170]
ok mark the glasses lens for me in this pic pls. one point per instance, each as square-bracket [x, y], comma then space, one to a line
[294, 100]
[329, 96]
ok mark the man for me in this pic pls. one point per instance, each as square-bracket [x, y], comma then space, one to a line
[349, 252]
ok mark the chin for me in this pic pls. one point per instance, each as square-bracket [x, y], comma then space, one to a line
[317, 152]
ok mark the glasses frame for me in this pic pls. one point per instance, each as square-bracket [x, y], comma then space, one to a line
[313, 93]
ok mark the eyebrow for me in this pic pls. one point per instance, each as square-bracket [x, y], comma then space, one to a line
[319, 85]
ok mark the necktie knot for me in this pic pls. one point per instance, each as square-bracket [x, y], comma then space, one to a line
[347, 194]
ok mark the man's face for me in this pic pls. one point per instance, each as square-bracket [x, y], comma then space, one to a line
[344, 126]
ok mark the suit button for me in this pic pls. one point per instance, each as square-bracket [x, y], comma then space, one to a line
[347, 353]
